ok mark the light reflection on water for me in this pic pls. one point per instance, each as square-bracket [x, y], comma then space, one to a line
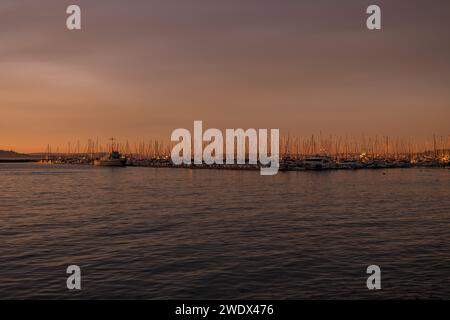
[174, 233]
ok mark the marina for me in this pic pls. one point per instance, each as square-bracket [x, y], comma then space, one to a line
[136, 141]
[287, 163]
[295, 155]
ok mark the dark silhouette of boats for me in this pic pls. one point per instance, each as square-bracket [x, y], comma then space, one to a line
[113, 159]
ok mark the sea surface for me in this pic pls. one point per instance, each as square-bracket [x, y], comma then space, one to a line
[149, 233]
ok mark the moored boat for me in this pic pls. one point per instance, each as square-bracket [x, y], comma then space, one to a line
[113, 159]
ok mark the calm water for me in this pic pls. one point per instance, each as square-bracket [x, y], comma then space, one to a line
[175, 233]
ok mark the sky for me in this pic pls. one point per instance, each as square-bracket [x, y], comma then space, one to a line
[140, 69]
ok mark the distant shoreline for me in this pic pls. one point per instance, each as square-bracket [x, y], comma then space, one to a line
[17, 160]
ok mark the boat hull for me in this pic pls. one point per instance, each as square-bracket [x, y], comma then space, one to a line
[109, 163]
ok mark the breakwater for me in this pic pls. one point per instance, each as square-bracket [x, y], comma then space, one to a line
[317, 162]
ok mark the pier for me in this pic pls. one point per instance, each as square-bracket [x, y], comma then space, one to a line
[287, 163]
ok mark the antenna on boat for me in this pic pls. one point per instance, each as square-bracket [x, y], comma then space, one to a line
[112, 144]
